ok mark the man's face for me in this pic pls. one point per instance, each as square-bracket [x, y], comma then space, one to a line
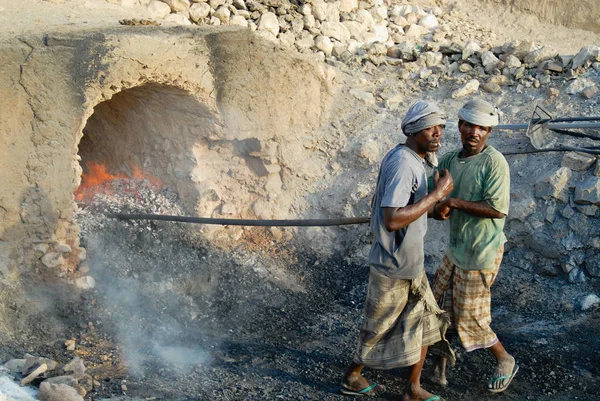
[429, 139]
[473, 137]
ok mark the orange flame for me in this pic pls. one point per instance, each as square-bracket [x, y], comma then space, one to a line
[97, 180]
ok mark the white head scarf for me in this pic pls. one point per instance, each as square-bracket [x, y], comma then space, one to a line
[479, 112]
[422, 115]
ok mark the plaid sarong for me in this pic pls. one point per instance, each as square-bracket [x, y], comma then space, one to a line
[401, 317]
[465, 295]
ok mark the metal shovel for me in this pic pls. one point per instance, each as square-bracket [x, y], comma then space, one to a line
[542, 128]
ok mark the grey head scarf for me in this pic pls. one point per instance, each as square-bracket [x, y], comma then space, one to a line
[422, 115]
[479, 112]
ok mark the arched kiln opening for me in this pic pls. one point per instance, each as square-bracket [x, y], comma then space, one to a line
[150, 130]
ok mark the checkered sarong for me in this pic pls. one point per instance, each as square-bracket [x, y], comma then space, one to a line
[401, 317]
[465, 295]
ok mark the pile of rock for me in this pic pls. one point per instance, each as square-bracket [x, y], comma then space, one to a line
[428, 43]
[560, 228]
[66, 382]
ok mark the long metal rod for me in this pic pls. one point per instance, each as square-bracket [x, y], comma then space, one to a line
[571, 119]
[575, 134]
[244, 222]
[562, 148]
[551, 125]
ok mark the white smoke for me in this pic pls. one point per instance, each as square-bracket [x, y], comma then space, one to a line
[12, 391]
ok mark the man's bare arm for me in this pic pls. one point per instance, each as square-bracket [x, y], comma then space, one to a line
[477, 209]
[400, 217]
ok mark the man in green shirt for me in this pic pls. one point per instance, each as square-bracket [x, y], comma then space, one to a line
[476, 209]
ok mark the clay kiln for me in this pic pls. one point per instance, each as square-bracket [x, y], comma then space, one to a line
[202, 111]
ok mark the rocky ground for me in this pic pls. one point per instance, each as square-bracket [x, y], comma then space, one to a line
[169, 317]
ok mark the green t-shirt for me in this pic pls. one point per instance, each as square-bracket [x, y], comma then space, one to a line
[474, 241]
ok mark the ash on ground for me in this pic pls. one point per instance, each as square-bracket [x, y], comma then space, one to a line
[177, 319]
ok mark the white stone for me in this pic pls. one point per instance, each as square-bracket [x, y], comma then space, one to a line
[324, 44]
[178, 19]
[178, 5]
[304, 41]
[402, 9]
[590, 301]
[223, 14]
[415, 31]
[53, 259]
[238, 20]
[468, 89]
[76, 366]
[333, 12]
[489, 61]
[424, 73]
[42, 247]
[588, 191]
[305, 9]
[587, 53]
[54, 392]
[319, 10]
[309, 22]
[355, 28]
[365, 19]
[554, 184]
[354, 46]
[347, 6]
[338, 49]
[512, 62]
[524, 48]
[379, 13]
[62, 248]
[85, 282]
[158, 9]
[335, 30]
[379, 34]
[429, 21]
[15, 365]
[432, 58]
[268, 22]
[578, 161]
[578, 86]
[239, 4]
[400, 21]
[214, 4]
[470, 48]
[533, 58]
[199, 11]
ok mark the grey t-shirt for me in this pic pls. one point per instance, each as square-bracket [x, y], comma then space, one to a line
[402, 181]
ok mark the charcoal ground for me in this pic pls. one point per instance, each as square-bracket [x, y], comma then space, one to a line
[194, 323]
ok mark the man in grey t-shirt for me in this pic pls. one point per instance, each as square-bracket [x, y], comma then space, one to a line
[401, 316]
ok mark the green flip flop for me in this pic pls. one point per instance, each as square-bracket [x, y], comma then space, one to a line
[506, 378]
[369, 390]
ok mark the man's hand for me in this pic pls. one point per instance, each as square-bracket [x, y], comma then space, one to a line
[442, 210]
[443, 183]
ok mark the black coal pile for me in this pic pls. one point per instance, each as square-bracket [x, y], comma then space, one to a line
[174, 318]
[177, 319]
